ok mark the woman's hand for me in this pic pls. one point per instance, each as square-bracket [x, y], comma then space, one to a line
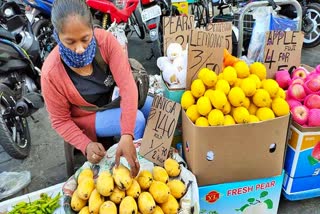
[127, 149]
[95, 152]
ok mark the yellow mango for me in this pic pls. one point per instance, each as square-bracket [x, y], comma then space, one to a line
[159, 191]
[84, 210]
[128, 206]
[117, 195]
[171, 206]
[105, 184]
[160, 174]
[122, 177]
[87, 172]
[108, 207]
[77, 203]
[95, 202]
[85, 188]
[134, 189]
[146, 203]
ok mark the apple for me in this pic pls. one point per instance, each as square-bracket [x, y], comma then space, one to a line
[300, 72]
[300, 114]
[318, 68]
[316, 151]
[312, 86]
[296, 91]
[312, 101]
[312, 75]
[296, 80]
[292, 103]
[283, 78]
[314, 117]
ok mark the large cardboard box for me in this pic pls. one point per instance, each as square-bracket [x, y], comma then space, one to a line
[302, 163]
[252, 196]
[223, 154]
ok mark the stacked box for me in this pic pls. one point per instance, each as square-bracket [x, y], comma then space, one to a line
[251, 196]
[302, 163]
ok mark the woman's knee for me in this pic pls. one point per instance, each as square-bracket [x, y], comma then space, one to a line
[140, 125]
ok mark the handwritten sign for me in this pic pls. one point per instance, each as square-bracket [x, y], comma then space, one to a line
[162, 122]
[177, 29]
[205, 50]
[282, 50]
[225, 27]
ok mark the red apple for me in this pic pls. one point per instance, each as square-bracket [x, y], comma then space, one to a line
[300, 72]
[296, 91]
[292, 103]
[300, 114]
[318, 68]
[312, 101]
[312, 86]
[314, 117]
[296, 80]
[283, 78]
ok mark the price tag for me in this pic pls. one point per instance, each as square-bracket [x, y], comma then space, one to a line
[205, 51]
[162, 122]
[225, 27]
[177, 29]
[282, 51]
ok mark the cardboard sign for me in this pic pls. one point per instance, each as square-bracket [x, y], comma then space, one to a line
[223, 27]
[177, 29]
[282, 50]
[162, 122]
[205, 50]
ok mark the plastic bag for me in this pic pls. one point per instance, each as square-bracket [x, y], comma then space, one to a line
[261, 26]
[13, 182]
[283, 23]
[188, 203]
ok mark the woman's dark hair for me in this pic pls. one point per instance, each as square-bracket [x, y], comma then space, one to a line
[62, 9]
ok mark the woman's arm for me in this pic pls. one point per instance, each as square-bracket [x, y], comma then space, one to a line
[58, 108]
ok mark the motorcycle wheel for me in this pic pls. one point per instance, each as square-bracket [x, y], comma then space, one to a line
[43, 30]
[310, 26]
[137, 24]
[14, 131]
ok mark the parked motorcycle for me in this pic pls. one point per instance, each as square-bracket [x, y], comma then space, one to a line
[39, 16]
[310, 21]
[20, 95]
[152, 13]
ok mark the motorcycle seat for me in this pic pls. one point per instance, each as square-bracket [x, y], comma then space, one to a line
[6, 35]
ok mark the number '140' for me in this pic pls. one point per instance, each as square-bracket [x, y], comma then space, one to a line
[164, 125]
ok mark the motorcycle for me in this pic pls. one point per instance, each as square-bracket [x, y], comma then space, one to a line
[39, 16]
[20, 95]
[310, 21]
[152, 13]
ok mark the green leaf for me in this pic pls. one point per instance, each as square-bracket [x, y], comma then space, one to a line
[312, 160]
[243, 207]
[251, 200]
[264, 194]
[269, 203]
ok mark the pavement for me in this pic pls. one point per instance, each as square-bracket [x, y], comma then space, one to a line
[46, 161]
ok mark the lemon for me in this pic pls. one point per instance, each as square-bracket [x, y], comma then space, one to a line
[271, 86]
[249, 87]
[204, 105]
[226, 108]
[242, 69]
[202, 72]
[187, 99]
[197, 88]
[208, 93]
[241, 115]
[236, 96]
[259, 69]
[246, 103]
[253, 118]
[280, 107]
[256, 79]
[216, 117]
[238, 82]
[252, 108]
[223, 85]
[230, 74]
[228, 120]
[202, 121]
[261, 98]
[192, 113]
[210, 78]
[220, 76]
[281, 93]
[265, 113]
[218, 99]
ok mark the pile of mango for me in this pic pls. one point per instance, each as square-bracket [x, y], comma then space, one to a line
[151, 192]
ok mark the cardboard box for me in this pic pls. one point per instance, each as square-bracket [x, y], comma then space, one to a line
[251, 196]
[220, 154]
[302, 163]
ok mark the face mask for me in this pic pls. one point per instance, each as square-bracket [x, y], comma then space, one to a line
[73, 59]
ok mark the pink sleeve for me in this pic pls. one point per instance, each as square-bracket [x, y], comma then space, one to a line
[122, 74]
[58, 108]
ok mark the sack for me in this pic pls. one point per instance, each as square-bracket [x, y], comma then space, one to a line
[140, 76]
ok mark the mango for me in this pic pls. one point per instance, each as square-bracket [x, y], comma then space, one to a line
[85, 188]
[117, 195]
[145, 179]
[128, 206]
[122, 177]
[95, 202]
[84, 210]
[171, 206]
[108, 207]
[160, 174]
[146, 203]
[85, 173]
[159, 191]
[134, 189]
[77, 203]
[105, 184]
